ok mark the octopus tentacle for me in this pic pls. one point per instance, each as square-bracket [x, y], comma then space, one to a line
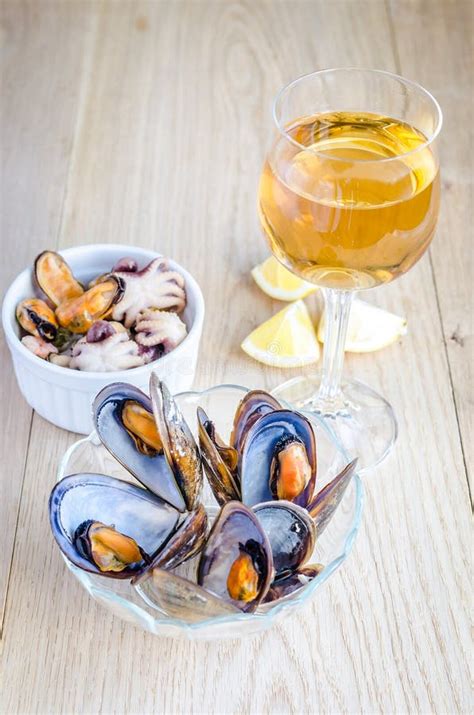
[159, 328]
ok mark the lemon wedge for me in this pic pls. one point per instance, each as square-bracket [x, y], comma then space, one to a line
[370, 328]
[278, 282]
[288, 339]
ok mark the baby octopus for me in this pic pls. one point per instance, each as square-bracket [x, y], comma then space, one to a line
[155, 285]
[104, 348]
[159, 328]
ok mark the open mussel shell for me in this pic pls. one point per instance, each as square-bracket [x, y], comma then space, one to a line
[186, 541]
[55, 278]
[326, 501]
[37, 318]
[283, 587]
[135, 453]
[254, 405]
[275, 432]
[180, 598]
[220, 462]
[236, 563]
[79, 314]
[79, 500]
[179, 445]
[291, 533]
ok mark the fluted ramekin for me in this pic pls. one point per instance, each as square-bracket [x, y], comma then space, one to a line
[63, 396]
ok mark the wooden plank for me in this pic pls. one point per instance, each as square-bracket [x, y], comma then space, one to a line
[37, 126]
[173, 119]
[447, 26]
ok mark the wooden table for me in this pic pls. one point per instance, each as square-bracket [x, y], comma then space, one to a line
[146, 123]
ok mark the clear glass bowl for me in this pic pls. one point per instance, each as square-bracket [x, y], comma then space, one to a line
[331, 550]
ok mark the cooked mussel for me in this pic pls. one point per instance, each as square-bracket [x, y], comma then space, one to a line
[179, 445]
[141, 426]
[278, 459]
[81, 507]
[37, 318]
[290, 470]
[283, 587]
[55, 278]
[326, 501]
[185, 542]
[123, 418]
[78, 314]
[123, 265]
[180, 598]
[254, 405]
[291, 533]
[219, 460]
[236, 561]
[108, 548]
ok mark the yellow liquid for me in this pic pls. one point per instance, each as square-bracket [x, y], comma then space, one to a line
[338, 215]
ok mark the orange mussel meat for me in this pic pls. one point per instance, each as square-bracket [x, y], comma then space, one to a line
[79, 314]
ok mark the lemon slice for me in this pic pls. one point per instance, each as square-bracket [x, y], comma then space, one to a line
[278, 282]
[370, 328]
[288, 339]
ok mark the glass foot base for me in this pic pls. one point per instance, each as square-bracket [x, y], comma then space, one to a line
[361, 419]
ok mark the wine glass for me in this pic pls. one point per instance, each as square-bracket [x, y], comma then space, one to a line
[348, 200]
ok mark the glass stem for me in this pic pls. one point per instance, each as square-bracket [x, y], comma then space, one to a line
[338, 308]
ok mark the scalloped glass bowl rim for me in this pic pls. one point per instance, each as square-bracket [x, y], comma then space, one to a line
[271, 614]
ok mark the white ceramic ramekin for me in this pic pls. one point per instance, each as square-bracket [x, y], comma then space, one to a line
[64, 396]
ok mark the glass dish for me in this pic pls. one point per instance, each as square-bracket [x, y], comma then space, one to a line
[331, 550]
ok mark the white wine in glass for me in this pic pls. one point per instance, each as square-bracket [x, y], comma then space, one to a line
[349, 200]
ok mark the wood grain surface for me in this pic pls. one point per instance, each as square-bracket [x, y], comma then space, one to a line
[147, 123]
